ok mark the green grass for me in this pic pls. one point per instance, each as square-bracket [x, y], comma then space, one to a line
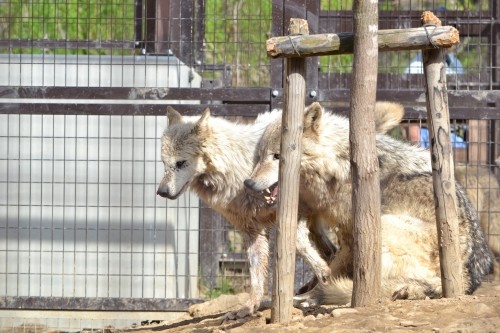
[224, 288]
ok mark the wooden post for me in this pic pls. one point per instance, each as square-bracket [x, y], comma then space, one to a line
[442, 165]
[291, 150]
[364, 161]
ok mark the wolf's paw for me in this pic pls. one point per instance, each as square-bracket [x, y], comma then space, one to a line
[402, 293]
[247, 310]
[302, 301]
[310, 303]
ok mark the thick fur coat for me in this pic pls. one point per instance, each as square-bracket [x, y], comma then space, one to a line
[410, 253]
[213, 156]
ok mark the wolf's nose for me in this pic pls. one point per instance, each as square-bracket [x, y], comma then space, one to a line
[249, 183]
[161, 192]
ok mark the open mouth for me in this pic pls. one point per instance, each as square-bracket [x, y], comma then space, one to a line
[271, 194]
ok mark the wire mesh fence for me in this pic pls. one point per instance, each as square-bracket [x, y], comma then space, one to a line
[82, 218]
[82, 101]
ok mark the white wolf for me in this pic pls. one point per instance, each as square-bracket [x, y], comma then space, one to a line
[213, 156]
[410, 253]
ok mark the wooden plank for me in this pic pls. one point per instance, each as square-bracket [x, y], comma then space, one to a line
[459, 98]
[342, 43]
[256, 95]
[413, 110]
[442, 167]
[289, 176]
[97, 303]
[117, 109]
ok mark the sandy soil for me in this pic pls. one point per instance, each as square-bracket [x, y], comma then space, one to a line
[475, 313]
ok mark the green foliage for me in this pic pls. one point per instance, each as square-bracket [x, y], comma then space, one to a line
[224, 288]
[235, 33]
[336, 63]
[336, 4]
[230, 246]
[473, 53]
[89, 20]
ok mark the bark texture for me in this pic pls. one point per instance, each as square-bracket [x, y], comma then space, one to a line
[364, 163]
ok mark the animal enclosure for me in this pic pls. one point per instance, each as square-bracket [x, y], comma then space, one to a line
[83, 96]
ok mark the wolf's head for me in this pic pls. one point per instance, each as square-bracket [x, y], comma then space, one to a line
[181, 152]
[265, 174]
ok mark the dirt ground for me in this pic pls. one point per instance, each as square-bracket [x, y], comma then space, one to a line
[479, 312]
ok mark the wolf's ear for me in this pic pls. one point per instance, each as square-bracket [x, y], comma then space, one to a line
[173, 117]
[201, 125]
[312, 117]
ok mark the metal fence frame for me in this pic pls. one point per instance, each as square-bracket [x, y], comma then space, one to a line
[154, 35]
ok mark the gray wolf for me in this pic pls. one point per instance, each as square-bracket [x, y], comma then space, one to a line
[212, 157]
[410, 253]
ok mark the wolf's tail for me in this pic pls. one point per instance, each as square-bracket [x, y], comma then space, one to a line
[338, 292]
[479, 260]
[388, 115]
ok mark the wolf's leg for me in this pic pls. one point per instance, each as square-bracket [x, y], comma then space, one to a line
[307, 249]
[412, 288]
[340, 267]
[324, 245]
[318, 236]
[308, 286]
[258, 254]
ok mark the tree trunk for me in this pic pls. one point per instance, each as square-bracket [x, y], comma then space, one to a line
[364, 162]
[291, 151]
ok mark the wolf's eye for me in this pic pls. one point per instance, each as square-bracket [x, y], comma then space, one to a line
[180, 164]
[276, 156]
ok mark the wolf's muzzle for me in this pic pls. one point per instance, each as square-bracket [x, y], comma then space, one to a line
[162, 192]
[250, 184]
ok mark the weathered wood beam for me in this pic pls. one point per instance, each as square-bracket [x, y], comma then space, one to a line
[442, 168]
[427, 37]
[289, 176]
